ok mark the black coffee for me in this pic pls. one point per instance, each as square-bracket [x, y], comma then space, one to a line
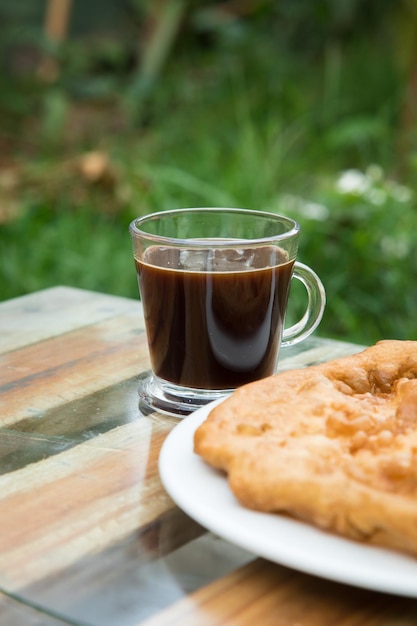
[212, 327]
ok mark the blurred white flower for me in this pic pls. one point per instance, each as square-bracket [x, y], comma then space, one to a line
[401, 193]
[399, 248]
[372, 186]
[352, 181]
[315, 211]
[311, 210]
[375, 172]
[377, 196]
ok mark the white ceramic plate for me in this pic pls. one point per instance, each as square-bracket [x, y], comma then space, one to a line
[204, 495]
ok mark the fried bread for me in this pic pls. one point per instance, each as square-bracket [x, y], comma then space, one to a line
[333, 444]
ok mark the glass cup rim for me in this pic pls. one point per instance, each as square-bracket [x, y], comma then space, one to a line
[136, 231]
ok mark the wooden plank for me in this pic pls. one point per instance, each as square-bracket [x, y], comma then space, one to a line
[60, 370]
[52, 312]
[65, 426]
[140, 573]
[80, 502]
[16, 613]
[268, 594]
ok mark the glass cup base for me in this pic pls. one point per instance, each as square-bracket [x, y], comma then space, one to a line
[175, 401]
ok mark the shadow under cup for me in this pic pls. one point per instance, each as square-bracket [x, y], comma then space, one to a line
[214, 285]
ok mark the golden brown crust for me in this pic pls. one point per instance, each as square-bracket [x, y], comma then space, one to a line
[333, 444]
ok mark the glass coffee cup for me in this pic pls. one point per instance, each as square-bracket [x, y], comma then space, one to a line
[214, 285]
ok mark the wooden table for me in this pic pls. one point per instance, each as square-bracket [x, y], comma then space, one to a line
[88, 534]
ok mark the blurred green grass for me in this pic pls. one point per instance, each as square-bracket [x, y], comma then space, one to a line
[247, 116]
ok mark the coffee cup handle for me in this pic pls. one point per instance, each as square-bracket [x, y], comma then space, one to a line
[315, 306]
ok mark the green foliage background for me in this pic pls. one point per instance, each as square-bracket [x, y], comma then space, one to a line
[265, 110]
